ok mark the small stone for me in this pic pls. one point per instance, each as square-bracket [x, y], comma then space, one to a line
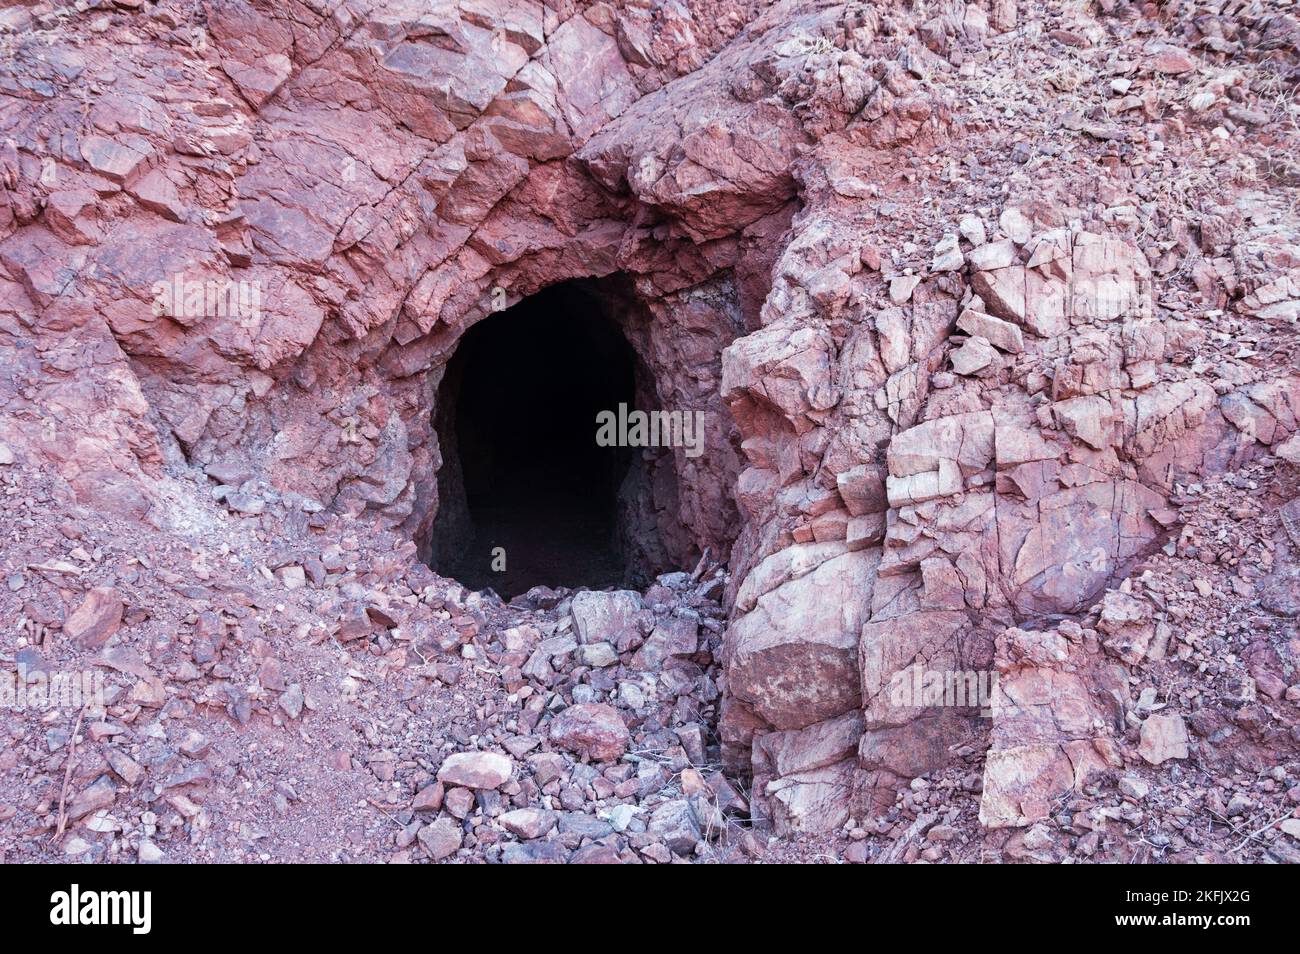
[594, 730]
[674, 824]
[229, 472]
[857, 853]
[620, 816]
[124, 767]
[1289, 449]
[992, 256]
[901, 288]
[599, 655]
[195, 744]
[528, 823]
[149, 853]
[291, 701]
[429, 798]
[150, 693]
[678, 636]
[76, 845]
[6, 455]
[98, 795]
[1002, 335]
[973, 356]
[972, 230]
[355, 623]
[632, 696]
[441, 840]
[458, 801]
[947, 256]
[1164, 736]
[1130, 786]
[607, 617]
[1171, 61]
[293, 577]
[657, 853]
[247, 504]
[95, 621]
[483, 770]
[1015, 225]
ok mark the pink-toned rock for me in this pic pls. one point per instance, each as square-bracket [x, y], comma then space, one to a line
[157, 193]
[101, 794]
[476, 769]
[794, 657]
[70, 214]
[115, 160]
[442, 839]
[1164, 737]
[591, 730]
[1049, 735]
[95, 621]
[601, 617]
[1172, 61]
[527, 823]
[429, 798]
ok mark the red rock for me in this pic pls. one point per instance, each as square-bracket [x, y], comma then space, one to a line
[527, 822]
[115, 160]
[476, 769]
[99, 795]
[459, 802]
[442, 839]
[1172, 61]
[96, 619]
[1164, 736]
[355, 624]
[592, 730]
[429, 798]
[157, 193]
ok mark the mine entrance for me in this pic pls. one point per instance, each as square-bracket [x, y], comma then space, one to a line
[527, 496]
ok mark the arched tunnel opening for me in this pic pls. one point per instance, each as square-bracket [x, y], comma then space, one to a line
[527, 495]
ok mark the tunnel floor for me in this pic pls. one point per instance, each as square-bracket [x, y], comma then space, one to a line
[523, 470]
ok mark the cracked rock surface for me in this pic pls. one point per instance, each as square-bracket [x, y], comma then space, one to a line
[989, 309]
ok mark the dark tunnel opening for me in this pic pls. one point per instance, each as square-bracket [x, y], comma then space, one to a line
[527, 496]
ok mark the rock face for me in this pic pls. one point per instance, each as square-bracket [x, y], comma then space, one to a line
[1056, 723]
[940, 432]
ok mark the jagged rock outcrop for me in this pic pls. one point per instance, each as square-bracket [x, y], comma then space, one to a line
[949, 389]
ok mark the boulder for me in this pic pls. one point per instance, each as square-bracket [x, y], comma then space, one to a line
[591, 730]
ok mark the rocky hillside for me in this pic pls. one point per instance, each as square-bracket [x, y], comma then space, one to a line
[989, 309]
